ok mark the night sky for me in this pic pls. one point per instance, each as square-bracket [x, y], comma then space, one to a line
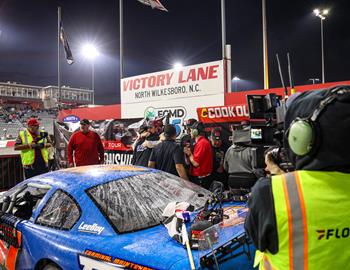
[154, 40]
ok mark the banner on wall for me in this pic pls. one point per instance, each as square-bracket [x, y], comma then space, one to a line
[189, 87]
[117, 139]
[222, 114]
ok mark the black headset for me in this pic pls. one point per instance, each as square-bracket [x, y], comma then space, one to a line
[304, 133]
[197, 129]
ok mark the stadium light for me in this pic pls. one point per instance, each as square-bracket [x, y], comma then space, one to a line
[322, 14]
[235, 80]
[178, 66]
[91, 53]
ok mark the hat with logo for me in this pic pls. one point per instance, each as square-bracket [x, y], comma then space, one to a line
[216, 134]
[84, 122]
[33, 122]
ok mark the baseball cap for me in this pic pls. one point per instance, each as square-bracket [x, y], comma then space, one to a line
[33, 122]
[155, 123]
[190, 122]
[216, 134]
[143, 128]
[84, 122]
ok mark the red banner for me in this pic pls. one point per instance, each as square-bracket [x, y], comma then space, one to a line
[220, 114]
[115, 145]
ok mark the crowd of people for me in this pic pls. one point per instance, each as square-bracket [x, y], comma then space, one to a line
[10, 114]
[287, 220]
[199, 157]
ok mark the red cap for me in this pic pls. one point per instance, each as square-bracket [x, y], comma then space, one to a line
[33, 122]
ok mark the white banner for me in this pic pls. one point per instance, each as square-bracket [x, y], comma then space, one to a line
[191, 87]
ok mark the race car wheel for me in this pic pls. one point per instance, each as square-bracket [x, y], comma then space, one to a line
[51, 266]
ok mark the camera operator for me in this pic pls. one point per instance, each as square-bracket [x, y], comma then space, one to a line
[240, 160]
[300, 220]
[33, 146]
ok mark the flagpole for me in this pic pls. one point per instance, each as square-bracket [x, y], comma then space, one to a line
[265, 52]
[223, 28]
[58, 56]
[121, 33]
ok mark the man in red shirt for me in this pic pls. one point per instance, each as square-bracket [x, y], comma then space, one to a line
[86, 146]
[201, 159]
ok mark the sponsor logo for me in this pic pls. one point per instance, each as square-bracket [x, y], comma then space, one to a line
[71, 118]
[333, 233]
[92, 260]
[229, 111]
[176, 115]
[92, 264]
[94, 228]
[117, 158]
[150, 113]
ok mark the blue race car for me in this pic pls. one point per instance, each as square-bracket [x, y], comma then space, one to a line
[100, 217]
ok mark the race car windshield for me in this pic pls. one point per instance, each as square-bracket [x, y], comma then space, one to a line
[137, 202]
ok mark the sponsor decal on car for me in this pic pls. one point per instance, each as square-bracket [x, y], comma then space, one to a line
[93, 260]
[104, 168]
[94, 228]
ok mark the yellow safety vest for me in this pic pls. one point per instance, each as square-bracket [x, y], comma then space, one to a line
[28, 155]
[313, 222]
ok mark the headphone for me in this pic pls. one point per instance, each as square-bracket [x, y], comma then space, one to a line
[197, 129]
[304, 133]
[275, 155]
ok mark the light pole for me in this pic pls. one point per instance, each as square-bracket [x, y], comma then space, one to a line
[90, 52]
[322, 14]
[235, 82]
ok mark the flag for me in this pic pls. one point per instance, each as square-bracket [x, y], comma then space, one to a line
[154, 4]
[64, 40]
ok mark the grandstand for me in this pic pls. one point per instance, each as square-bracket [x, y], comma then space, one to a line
[18, 102]
[11, 123]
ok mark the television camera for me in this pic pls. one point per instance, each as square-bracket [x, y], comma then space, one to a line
[42, 135]
[267, 118]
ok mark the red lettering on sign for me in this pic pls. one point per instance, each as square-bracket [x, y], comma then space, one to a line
[202, 73]
[149, 81]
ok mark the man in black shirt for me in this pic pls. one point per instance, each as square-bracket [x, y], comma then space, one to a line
[144, 144]
[168, 156]
[218, 173]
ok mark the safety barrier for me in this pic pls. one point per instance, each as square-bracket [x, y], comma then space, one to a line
[11, 171]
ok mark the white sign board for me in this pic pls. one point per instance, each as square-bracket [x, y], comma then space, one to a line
[191, 87]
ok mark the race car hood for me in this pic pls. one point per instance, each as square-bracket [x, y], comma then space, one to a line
[151, 248]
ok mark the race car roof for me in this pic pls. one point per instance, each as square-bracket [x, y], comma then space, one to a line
[88, 176]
